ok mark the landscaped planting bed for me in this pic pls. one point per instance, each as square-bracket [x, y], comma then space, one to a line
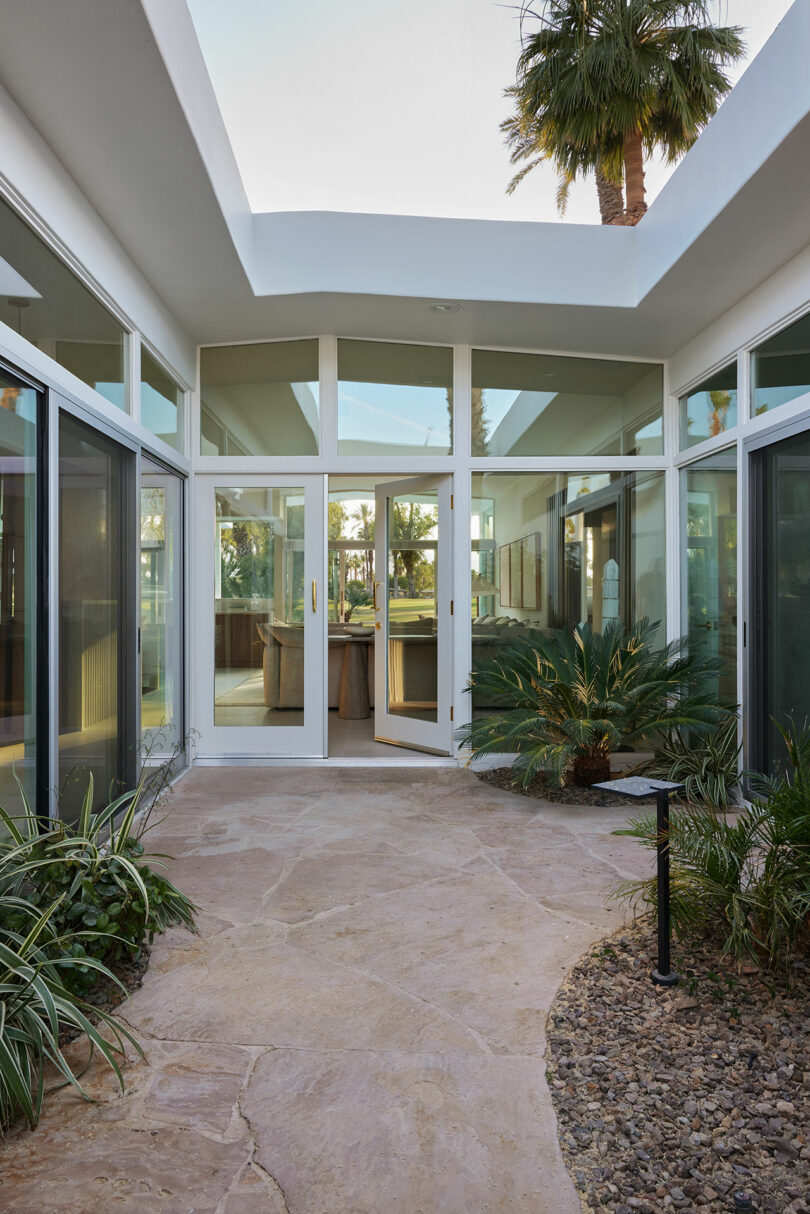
[679, 1098]
[541, 788]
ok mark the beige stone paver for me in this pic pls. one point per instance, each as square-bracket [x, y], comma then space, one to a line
[359, 1026]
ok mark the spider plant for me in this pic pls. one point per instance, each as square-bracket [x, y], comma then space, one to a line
[36, 1008]
[96, 876]
[707, 765]
[573, 696]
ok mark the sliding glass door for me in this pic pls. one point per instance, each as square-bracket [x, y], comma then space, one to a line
[709, 538]
[20, 524]
[780, 540]
[97, 636]
[161, 608]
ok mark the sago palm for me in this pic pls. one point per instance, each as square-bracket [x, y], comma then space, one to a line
[601, 83]
[572, 697]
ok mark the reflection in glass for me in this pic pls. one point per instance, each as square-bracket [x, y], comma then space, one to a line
[161, 607]
[785, 590]
[710, 571]
[543, 404]
[781, 368]
[259, 616]
[259, 399]
[44, 301]
[553, 550]
[18, 594]
[412, 544]
[710, 408]
[93, 546]
[161, 402]
[394, 399]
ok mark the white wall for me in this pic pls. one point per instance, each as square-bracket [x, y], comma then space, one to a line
[773, 304]
[31, 175]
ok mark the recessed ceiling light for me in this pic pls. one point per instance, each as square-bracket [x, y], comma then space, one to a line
[446, 307]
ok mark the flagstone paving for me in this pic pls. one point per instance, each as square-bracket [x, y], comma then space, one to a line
[359, 1026]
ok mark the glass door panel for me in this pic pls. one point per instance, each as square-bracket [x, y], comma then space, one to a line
[263, 561]
[19, 408]
[96, 645]
[161, 599]
[709, 538]
[781, 594]
[412, 614]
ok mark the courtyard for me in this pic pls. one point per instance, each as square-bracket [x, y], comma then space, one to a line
[360, 1024]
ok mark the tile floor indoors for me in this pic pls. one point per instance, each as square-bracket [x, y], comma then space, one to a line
[359, 1026]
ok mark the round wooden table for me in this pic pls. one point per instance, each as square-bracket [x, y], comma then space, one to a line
[353, 703]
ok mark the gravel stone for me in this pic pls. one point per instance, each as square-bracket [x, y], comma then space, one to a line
[676, 1099]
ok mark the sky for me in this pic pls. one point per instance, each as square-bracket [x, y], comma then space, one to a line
[391, 106]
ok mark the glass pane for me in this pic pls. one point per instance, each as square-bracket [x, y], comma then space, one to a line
[259, 610]
[710, 543]
[161, 402]
[42, 300]
[553, 550]
[18, 598]
[394, 399]
[543, 404]
[413, 533]
[92, 550]
[161, 608]
[260, 399]
[351, 551]
[781, 368]
[711, 408]
[786, 588]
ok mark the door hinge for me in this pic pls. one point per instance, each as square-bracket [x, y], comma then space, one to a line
[451, 712]
[451, 607]
[452, 499]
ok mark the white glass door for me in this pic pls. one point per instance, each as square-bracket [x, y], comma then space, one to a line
[412, 608]
[259, 658]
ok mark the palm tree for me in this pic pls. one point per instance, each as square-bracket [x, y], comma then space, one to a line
[364, 517]
[602, 83]
[411, 524]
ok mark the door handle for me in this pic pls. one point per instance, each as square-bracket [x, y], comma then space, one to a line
[314, 595]
[374, 595]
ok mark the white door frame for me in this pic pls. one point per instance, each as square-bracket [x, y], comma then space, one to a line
[263, 741]
[432, 736]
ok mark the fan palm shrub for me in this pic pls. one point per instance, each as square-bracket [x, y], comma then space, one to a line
[572, 696]
[749, 878]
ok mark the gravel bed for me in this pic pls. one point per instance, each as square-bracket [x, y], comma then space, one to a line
[679, 1098]
[540, 789]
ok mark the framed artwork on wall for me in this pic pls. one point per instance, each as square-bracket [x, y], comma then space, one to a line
[530, 563]
[516, 573]
[519, 570]
[504, 576]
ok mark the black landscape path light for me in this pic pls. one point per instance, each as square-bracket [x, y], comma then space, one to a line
[640, 789]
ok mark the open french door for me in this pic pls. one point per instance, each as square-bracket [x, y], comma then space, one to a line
[413, 609]
[259, 660]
